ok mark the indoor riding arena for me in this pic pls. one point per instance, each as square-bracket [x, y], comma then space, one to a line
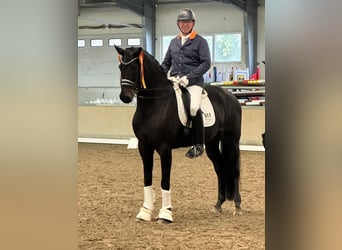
[110, 168]
[111, 193]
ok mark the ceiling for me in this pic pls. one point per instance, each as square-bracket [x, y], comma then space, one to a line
[139, 7]
[139, 3]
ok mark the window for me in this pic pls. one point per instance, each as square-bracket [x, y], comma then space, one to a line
[165, 44]
[114, 41]
[227, 47]
[133, 41]
[96, 42]
[210, 44]
[223, 47]
[80, 43]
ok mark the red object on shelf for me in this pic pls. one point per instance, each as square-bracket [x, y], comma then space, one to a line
[256, 75]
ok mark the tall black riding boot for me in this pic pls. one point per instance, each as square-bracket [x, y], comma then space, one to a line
[198, 136]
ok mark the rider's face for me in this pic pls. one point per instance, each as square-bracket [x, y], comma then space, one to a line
[186, 26]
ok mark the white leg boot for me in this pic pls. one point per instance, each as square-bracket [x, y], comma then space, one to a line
[165, 212]
[145, 212]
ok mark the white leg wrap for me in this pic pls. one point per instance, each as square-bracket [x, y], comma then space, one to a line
[145, 212]
[165, 212]
[148, 198]
[166, 199]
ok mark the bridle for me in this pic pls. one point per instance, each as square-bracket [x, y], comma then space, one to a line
[130, 83]
[142, 92]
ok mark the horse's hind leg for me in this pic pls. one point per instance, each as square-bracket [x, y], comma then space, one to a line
[214, 154]
[231, 155]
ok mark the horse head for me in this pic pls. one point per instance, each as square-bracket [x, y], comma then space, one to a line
[141, 74]
[130, 72]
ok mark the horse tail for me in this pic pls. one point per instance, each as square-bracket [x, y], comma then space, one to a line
[231, 167]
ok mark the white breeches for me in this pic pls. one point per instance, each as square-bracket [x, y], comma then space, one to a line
[195, 98]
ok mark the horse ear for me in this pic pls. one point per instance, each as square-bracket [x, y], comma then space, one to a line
[119, 50]
[137, 51]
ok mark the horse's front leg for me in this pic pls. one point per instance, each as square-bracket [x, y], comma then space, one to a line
[146, 153]
[165, 213]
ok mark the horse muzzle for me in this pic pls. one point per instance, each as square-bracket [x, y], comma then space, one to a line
[126, 96]
[127, 90]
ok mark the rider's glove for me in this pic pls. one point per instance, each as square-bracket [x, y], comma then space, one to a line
[183, 81]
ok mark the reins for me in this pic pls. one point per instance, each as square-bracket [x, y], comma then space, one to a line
[140, 93]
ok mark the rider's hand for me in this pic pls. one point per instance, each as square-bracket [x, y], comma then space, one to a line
[183, 81]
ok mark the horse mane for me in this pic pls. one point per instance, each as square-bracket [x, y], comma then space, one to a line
[153, 68]
[153, 61]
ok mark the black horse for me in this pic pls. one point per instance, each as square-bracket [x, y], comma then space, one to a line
[158, 128]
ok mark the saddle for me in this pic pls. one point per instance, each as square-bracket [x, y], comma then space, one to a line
[183, 106]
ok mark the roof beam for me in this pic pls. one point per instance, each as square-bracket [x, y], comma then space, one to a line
[147, 10]
[238, 3]
[137, 6]
[149, 21]
[251, 32]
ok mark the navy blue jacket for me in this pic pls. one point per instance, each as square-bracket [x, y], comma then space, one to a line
[191, 60]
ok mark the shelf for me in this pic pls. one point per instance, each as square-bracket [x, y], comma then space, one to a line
[248, 92]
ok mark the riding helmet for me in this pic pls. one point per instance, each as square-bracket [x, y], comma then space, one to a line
[185, 14]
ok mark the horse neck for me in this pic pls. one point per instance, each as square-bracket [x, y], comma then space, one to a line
[154, 74]
[158, 92]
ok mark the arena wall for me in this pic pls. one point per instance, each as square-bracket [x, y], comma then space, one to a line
[115, 122]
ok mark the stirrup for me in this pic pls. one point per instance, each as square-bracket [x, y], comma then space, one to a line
[195, 151]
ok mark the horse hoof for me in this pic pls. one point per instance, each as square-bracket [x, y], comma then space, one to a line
[237, 211]
[144, 215]
[139, 220]
[163, 221]
[164, 216]
[217, 209]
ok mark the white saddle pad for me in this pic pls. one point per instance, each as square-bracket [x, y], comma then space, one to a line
[206, 107]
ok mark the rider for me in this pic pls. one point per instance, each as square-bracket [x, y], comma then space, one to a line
[188, 57]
